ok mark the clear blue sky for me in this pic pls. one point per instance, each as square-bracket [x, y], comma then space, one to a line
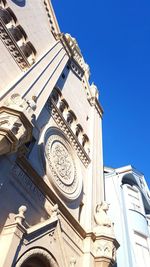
[114, 37]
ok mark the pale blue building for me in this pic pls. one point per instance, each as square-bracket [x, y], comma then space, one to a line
[129, 199]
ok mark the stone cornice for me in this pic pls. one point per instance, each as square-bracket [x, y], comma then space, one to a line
[60, 121]
[70, 44]
[52, 18]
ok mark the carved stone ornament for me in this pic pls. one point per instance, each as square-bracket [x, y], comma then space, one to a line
[105, 252]
[61, 167]
[15, 125]
[78, 64]
[105, 244]
[102, 220]
[62, 124]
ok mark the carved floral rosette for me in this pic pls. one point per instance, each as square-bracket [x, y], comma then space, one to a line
[60, 165]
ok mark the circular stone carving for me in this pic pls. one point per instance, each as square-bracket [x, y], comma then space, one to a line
[61, 167]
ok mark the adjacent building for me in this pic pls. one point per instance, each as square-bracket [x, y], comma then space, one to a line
[129, 198]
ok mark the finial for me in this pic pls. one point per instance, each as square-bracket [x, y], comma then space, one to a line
[94, 90]
[19, 218]
[54, 211]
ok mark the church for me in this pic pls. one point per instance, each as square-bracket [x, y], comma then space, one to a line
[52, 200]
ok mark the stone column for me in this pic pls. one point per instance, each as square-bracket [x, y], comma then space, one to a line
[10, 239]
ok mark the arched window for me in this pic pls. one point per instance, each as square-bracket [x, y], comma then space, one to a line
[29, 52]
[55, 95]
[79, 130]
[63, 105]
[71, 117]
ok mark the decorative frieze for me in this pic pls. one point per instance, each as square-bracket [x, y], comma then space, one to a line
[51, 17]
[15, 39]
[77, 63]
[27, 184]
[65, 127]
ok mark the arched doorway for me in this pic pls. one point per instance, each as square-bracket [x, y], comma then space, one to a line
[36, 257]
[35, 262]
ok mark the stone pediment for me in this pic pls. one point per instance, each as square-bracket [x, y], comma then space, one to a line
[43, 239]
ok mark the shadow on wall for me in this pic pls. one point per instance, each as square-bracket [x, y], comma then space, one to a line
[20, 3]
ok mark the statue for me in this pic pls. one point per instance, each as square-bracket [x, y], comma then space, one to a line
[101, 218]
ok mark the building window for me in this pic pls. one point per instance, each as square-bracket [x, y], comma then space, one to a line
[142, 250]
[135, 202]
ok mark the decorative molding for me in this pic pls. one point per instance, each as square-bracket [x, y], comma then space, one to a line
[75, 67]
[52, 18]
[105, 250]
[71, 233]
[15, 124]
[77, 63]
[64, 126]
[80, 68]
[15, 39]
[30, 188]
[15, 130]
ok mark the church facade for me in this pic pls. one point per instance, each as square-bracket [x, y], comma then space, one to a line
[52, 204]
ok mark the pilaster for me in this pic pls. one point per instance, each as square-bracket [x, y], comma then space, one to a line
[105, 244]
[11, 237]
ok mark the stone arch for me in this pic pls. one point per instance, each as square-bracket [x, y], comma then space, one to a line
[63, 105]
[7, 17]
[29, 51]
[56, 95]
[36, 257]
[71, 117]
[85, 142]
[130, 179]
[79, 130]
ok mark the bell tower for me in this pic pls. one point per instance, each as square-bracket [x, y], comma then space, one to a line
[51, 154]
